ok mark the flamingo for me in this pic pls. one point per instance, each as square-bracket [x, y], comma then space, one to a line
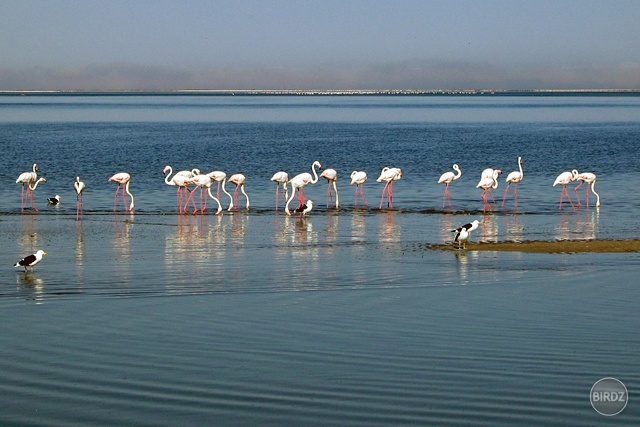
[26, 178]
[305, 208]
[463, 233]
[79, 187]
[488, 173]
[331, 176]
[238, 179]
[281, 178]
[513, 178]
[299, 181]
[179, 180]
[389, 175]
[564, 179]
[32, 188]
[447, 178]
[590, 179]
[358, 178]
[123, 180]
[221, 178]
[202, 181]
[487, 184]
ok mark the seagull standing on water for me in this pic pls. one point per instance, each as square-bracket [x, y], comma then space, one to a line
[30, 260]
[305, 208]
[463, 233]
[54, 200]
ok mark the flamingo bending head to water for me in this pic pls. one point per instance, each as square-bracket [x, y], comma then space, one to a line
[388, 175]
[590, 179]
[331, 176]
[123, 180]
[358, 178]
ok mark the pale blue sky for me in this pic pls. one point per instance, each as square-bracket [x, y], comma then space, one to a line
[319, 44]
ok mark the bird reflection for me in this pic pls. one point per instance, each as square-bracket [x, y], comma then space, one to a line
[489, 231]
[514, 228]
[33, 285]
[463, 267]
[389, 231]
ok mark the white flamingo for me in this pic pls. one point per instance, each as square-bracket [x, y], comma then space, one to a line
[238, 180]
[331, 176]
[590, 179]
[281, 178]
[447, 178]
[123, 180]
[358, 178]
[513, 178]
[299, 181]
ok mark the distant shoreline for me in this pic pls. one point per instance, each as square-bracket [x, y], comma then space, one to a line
[312, 92]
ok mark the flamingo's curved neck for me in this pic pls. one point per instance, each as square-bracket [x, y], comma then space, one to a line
[495, 179]
[166, 178]
[459, 172]
[36, 184]
[126, 189]
[593, 190]
[313, 168]
[293, 194]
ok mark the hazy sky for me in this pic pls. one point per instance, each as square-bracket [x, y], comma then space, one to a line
[319, 44]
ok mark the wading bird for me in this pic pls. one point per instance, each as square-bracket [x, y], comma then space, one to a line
[331, 176]
[463, 233]
[564, 179]
[281, 178]
[123, 180]
[389, 175]
[358, 178]
[590, 179]
[298, 183]
[30, 260]
[447, 178]
[513, 178]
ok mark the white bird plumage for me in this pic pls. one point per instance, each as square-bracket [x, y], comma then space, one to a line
[31, 260]
[463, 233]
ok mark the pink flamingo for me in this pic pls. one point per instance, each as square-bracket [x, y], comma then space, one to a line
[447, 178]
[358, 178]
[179, 180]
[564, 179]
[298, 182]
[590, 179]
[488, 173]
[221, 178]
[389, 175]
[513, 178]
[79, 187]
[239, 180]
[487, 184]
[26, 178]
[331, 176]
[202, 181]
[122, 179]
[32, 188]
[281, 178]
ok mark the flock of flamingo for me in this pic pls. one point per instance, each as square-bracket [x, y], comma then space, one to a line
[204, 182]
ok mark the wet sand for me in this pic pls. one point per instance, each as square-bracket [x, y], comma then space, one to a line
[560, 246]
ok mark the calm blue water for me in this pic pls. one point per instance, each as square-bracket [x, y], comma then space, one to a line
[341, 318]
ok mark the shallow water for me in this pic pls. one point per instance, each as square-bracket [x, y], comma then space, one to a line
[341, 318]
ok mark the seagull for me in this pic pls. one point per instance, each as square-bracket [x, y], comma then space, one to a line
[463, 233]
[305, 208]
[30, 260]
[54, 200]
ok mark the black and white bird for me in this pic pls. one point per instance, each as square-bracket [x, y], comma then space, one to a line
[30, 260]
[305, 208]
[54, 200]
[463, 233]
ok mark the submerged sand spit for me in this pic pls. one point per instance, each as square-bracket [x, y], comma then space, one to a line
[560, 246]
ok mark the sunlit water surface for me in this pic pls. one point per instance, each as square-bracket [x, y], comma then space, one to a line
[345, 317]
